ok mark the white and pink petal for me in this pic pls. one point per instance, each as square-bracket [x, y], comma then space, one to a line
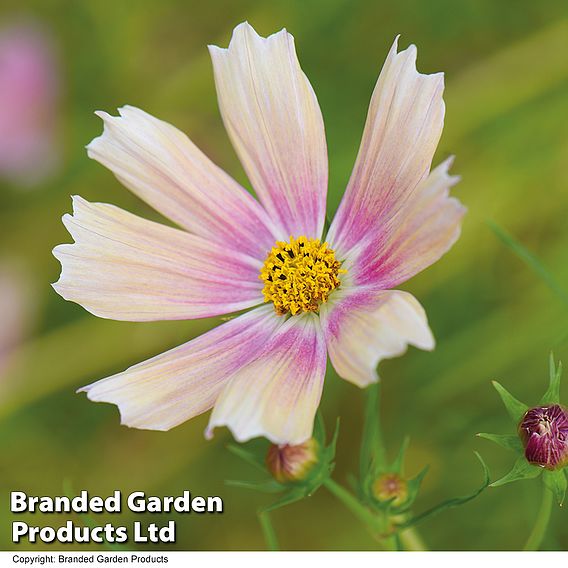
[277, 394]
[161, 165]
[184, 382]
[403, 127]
[363, 327]
[274, 121]
[426, 228]
[124, 267]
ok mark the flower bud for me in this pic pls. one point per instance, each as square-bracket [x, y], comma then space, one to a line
[292, 463]
[391, 487]
[544, 433]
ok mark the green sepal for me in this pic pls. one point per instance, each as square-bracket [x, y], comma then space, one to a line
[249, 457]
[552, 394]
[398, 463]
[270, 486]
[413, 486]
[449, 503]
[329, 451]
[372, 453]
[556, 482]
[291, 496]
[319, 430]
[515, 408]
[521, 470]
[508, 441]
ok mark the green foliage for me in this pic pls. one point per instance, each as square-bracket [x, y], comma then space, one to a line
[531, 260]
[556, 482]
[508, 441]
[522, 469]
[515, 408]
[552, 394]
[450, 503]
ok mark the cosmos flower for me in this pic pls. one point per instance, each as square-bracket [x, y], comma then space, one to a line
[29, 87]
[313, 295]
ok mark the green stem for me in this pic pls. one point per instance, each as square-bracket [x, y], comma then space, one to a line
[351, 502]
[268, 531]
[411, 540]
[377, 525]
[539, 530]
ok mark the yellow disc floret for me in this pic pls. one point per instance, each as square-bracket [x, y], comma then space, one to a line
[298, 276]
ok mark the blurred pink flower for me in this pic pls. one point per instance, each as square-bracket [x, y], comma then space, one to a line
[28, 97]
[262, 372]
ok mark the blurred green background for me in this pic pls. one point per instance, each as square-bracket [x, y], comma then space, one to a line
[506, 70]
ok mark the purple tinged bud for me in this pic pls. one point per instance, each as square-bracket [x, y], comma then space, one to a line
[391, 486]
[292, 463]
[544, 433]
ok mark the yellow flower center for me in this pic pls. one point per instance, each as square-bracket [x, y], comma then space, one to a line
[298, 276]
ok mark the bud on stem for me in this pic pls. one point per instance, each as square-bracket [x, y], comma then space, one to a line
[292, 463]
[544, 433]
[391, 487]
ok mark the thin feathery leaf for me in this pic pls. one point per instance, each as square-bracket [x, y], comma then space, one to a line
[456, 502]
[247, 456]
[508, 441]
[530, 259]
[372, 448]
[398, 463]
[292, 496]
[515, 407]
[557, 483]
[552, 394]
[521, 470]
[270, 486]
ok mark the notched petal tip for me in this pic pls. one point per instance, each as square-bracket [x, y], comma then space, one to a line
[130, 421]
[449, 162]
[209, 433]
[410, 56]
[245, 31]
[215, 49]
[104, 116]
[429, 343]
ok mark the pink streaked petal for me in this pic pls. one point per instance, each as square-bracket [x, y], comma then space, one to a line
[426, 228]
[273, 118]
[277, 394]
[404, 124]
[162, 166]
[364, 326]
[127, 268]
[184, 382]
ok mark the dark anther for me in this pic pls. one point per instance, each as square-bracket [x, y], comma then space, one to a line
[279, 255]
[282, 277]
